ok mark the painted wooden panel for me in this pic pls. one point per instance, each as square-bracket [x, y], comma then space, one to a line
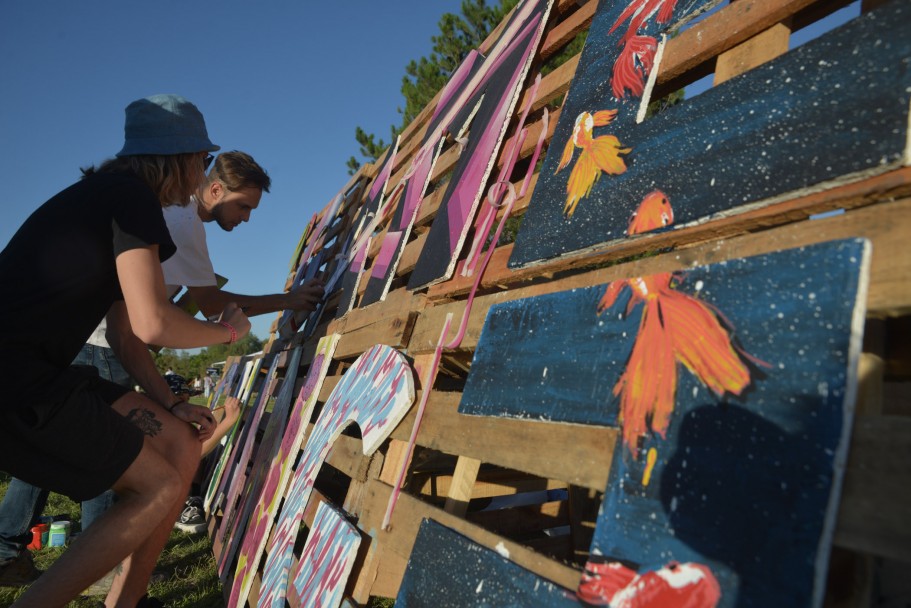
[458, 102]
[566, 357]
[375, 394]
[734, 387]
[249, 426]
[243, 390]
[493, 94]
[243, 494]
[326, 561]
[833, 110]
[366, 222]
[311, 261]
[260, 522]
[448, 570]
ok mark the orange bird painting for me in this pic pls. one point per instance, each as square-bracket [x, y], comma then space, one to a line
[675, 328]
[599, 154]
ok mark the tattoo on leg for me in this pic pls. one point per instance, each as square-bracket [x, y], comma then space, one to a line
[145, 420]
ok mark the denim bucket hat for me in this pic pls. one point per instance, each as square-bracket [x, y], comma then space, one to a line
[164, 124]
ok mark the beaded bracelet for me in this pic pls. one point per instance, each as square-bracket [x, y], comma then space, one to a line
[233, 332]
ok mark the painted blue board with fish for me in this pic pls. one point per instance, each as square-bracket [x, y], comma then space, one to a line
[733, 386]
[832, 110]
[447, 569]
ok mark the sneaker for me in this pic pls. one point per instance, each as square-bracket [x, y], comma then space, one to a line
[193, 517]
[19, 571]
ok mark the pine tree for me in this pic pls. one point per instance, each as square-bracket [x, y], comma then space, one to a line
[424, 77]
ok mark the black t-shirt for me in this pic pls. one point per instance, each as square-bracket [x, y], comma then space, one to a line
[58, 276]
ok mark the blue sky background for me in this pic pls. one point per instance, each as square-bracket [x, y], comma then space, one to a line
[286, 81]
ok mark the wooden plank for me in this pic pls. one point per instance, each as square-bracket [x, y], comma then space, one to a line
[463, 479]
[393, 331]
[573, 453]
[886, 224]
[730, 26]
[759, 49]
[875, 512]
[489, 483]
[397, 543]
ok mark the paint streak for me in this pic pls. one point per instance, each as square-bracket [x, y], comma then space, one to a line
[633, 66]
[640, 11]
[650, 459]
[599, 154]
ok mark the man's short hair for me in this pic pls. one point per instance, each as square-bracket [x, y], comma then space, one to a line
[237, 170]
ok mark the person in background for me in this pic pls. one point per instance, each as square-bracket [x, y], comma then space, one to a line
[92, 251]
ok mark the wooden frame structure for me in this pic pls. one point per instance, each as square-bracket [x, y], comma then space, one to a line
[463, 463]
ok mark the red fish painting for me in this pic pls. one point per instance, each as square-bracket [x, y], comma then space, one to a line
[633, 66]
[640, 11]
[612, 584]
[675, 328]
[599, 154]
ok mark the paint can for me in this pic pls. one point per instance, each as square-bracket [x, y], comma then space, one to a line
[39, 537]
[59, 534]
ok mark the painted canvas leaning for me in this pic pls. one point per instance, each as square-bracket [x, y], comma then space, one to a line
[831, 111]
[733, 386]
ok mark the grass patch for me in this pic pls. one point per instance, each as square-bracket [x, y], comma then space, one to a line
[187, 561]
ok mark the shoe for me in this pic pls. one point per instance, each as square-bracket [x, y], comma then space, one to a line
[149, 602]
[19, 571]
[103, 585]
[193, 517]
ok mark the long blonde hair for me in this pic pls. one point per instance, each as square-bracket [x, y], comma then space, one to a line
[173, 177]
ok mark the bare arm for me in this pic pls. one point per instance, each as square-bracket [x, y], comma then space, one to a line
[136, 359]
[212, 300]
[154, 319]
[232, 413]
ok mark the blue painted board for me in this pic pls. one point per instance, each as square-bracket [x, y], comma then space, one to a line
[447, 569]
[555, 357]
[835, 109]
[744, 482]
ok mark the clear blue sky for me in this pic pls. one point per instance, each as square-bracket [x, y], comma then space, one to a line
[287, 81]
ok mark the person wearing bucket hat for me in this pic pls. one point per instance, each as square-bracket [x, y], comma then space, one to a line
[94, 250]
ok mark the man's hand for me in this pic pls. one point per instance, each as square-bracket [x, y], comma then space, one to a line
[305, 297]
[195, 414]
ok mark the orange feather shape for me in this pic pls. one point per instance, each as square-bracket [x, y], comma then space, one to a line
[675, 327]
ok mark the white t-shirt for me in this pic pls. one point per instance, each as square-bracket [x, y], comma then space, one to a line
[190, 266]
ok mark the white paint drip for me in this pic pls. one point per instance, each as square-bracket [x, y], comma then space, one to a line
[502, 550]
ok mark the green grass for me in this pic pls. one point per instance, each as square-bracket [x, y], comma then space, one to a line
[186, 560]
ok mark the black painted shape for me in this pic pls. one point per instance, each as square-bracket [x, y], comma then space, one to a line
[447, 569]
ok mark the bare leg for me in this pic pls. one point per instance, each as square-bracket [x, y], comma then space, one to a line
[176, 441]
[149, 492]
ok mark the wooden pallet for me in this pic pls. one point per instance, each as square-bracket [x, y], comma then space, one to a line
[462, 463]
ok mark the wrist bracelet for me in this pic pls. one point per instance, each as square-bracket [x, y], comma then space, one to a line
[232, 330]
[171, 407]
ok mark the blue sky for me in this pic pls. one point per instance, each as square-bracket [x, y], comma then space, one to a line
[286, 81]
